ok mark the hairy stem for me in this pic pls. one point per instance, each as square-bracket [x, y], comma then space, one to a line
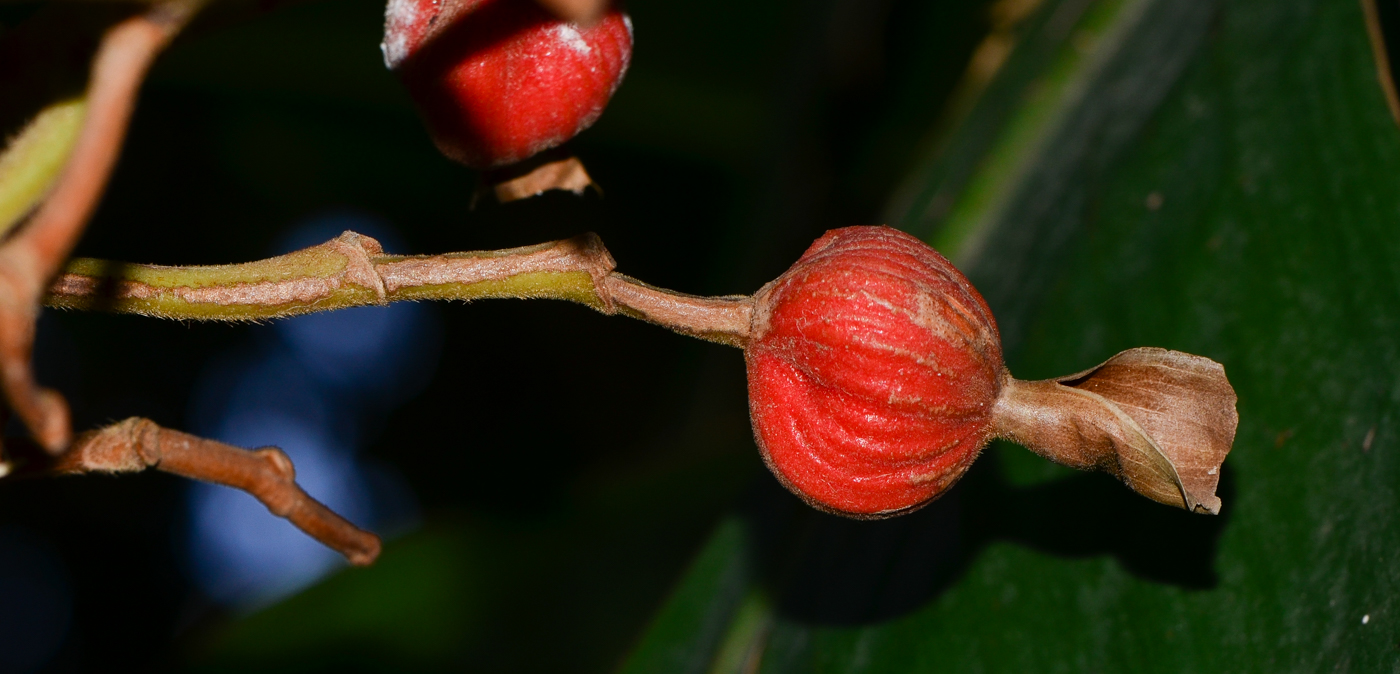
[353, 270]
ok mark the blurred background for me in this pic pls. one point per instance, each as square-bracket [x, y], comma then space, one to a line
[567, 492]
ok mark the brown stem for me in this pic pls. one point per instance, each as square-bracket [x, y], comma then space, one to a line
[582, 12]
[718, 319]
[32, 255]
[352, 270]
[1379, 51]
[137, 444]
[1161, 421]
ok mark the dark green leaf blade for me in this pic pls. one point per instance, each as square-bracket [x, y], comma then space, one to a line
[1248, 214]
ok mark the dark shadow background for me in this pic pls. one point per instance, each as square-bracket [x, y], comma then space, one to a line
[581, 459]
[827, 570]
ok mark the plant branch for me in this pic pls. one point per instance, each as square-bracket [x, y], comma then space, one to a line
[353, 270]
[31, 256]
[136, 444]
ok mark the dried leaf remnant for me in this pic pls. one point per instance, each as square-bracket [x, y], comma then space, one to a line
[533, 178]
[1161, 421]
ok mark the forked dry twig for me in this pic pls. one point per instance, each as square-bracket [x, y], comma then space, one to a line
[137, 444]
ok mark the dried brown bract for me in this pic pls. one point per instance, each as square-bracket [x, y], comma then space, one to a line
[1161, 421]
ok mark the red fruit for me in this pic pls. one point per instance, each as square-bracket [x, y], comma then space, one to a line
[873, 369]
[500, 80]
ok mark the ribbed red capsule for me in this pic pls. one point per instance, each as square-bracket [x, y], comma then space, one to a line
[873, 369]
[498, 81]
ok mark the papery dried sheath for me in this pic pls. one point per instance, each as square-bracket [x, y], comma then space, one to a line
[1162, 421]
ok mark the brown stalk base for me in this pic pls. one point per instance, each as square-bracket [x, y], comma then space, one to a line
[535, 176]
[582, 12]
[1385, 72]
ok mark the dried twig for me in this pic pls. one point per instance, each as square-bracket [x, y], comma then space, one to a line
[32, 255]
[352, 270]
[137, 444]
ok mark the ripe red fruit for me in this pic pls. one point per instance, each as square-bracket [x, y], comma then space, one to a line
[873, 369]
[500, 80]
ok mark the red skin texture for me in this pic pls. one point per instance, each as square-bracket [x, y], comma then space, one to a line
[498, 81]
[873, 368]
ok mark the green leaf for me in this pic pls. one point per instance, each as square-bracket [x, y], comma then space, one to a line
[1217, 178]
[408, 610]
[693, 625]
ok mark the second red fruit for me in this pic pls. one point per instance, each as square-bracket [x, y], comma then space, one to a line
[498, 81]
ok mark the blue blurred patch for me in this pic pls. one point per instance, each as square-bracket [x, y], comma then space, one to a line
[315, 386]
[241, 554]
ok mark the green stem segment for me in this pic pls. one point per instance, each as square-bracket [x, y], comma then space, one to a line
[353, 270]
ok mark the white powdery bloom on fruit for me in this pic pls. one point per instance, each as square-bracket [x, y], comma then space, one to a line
[570, 36]
[400, 16]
